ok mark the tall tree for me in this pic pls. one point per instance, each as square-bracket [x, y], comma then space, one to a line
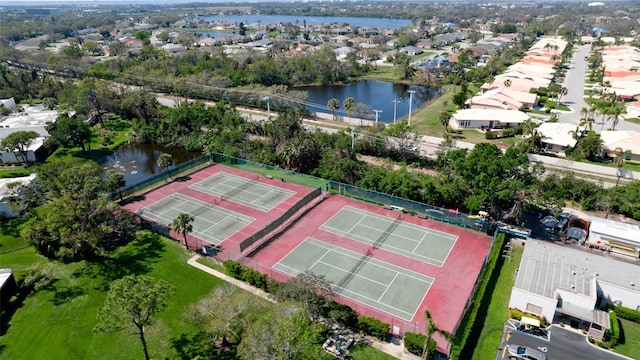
[183, 224]
[133, 301]
[114, 181]
[333, 105]
[165, 161]
[18, 143]
[349, 105]
[431, 329]
[70, 132]
[619, 161]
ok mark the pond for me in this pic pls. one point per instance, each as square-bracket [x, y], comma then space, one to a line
[388, 98]
[138, 162]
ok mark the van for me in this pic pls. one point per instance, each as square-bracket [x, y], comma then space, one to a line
[397, 208]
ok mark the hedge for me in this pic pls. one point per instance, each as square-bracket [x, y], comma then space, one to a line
[373, 327]
[611, 335]
[627, 314]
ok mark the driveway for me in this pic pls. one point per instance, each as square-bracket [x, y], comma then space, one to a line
[562, 344]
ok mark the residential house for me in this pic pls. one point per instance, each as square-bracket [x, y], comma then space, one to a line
[343, 52]
[411, 50]
[9, 103]
[502, 98]
[556, 137]
[627, 141]
[487, 118]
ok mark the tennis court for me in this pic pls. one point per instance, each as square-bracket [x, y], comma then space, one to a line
[246, 191]
[211, 223]
[373, 282]
[394, 235]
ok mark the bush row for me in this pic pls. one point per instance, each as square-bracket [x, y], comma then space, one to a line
[480, 298]
[611, 335]
[627, 314]
[414, 343]
[499, 134]
[374, 327]
[331, 309]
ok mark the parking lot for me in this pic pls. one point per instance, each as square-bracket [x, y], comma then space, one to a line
[561, 344]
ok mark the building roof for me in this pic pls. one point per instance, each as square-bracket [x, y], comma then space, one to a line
[503, 116]
[4, 184]
[625, 140]
[628, 233]
[558, 134]
[546, 267]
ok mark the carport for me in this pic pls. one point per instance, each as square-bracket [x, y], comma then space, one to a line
[594, 321]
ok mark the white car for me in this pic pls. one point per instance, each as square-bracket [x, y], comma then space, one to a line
[518, 352]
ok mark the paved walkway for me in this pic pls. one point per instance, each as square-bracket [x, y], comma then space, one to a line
[394, 349]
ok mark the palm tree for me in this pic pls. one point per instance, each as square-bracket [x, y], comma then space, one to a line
[619, 161]
[349, 104]
[432, 328]
[333, 105]
[444, 120]
[614, 114]
[507, 83]
[183, 224]
[114, 181]
[165, 161]
[562, 92]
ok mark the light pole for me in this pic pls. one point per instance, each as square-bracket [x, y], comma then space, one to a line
[266, 98]
[395, 105]
[377, 112]
[410, 102]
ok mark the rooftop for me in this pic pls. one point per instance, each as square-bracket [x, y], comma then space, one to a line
[546, 267]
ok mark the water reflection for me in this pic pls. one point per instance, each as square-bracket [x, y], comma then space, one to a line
[138, 162]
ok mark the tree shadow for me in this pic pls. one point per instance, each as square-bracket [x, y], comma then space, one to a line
[183, 178]
[132, 199]
[199, 345]
[66, 294]
[136, 258]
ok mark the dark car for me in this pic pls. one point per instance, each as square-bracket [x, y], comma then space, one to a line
[537, 332]
[517, 352]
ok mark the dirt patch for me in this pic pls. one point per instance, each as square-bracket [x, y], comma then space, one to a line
[387, 163]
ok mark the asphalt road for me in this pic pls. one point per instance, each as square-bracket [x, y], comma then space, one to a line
[575, 83]
[563, 344]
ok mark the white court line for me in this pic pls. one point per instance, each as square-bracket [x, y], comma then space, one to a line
[358, 275]
[391, 248]
[388, 286]
[376, 262]
[418, 244]
[294, 249]
[319, 259]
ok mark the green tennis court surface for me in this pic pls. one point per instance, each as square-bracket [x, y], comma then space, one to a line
[373, 282]
[211, 222]
[401, 237]
[250, 192]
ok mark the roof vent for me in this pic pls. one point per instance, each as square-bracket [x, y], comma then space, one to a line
[573, 286]
[632, 283]
[596, 274]
[573, 272]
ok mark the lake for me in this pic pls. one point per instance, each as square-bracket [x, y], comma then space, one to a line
[138, 162]
[377, 95]
[390, 24]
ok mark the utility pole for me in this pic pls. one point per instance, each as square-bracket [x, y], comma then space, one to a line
[377, 112]
[395, 104]
[410, 102]
[268, 106]
[353, 139]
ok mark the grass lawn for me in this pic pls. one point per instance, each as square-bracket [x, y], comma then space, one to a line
[631, 346]
[60, 319]
[382, 73]
[365, 352]
[626, 166]
[633, 120]
[497, 314]
[13, 171]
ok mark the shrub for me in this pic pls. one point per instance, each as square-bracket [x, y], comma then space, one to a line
[233, 268]
[373, 327]
[414, 342]
[614, 332]
[627, 314]
[515, 314]
[340, 313]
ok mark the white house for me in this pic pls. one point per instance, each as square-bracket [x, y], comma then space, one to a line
[5, 193]
[9, 103]
[556, 137]
[487, 118]
[571, 285]
[627, 141]
[34, 118]
[615, 236]
[502, 98]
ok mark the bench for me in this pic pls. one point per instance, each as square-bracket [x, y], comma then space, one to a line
[269, 176]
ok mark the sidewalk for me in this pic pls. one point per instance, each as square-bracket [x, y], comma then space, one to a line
[394, 349]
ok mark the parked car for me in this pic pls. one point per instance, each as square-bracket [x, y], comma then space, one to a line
[518, 352]
[536, 331]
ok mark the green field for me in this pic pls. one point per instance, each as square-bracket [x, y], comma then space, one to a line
[497, 313]
[60, 318]
[631, 345]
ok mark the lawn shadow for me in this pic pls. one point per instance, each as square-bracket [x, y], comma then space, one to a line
[136, 258]
[199, 345]
[66, 294]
